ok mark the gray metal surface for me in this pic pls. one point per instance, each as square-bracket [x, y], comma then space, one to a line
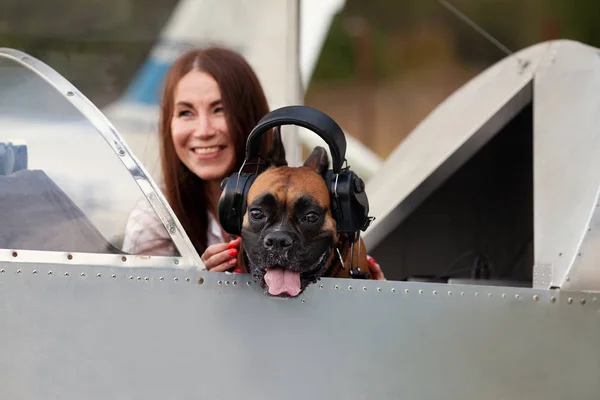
[562, 82]
[567, 166]
[117, 333]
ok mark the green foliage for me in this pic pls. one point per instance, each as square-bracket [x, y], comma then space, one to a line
[99, 44]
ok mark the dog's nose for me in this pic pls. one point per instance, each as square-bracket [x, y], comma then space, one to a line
[278, 240]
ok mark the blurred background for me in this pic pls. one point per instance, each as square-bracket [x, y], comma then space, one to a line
[383, 65]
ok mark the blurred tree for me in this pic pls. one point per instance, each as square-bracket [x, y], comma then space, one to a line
[97, 44]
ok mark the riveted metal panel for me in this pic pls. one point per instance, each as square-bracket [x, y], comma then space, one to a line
[132, 333]
[567, 166]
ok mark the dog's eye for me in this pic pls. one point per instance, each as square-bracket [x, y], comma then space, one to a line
[256, 214]
[311, 217]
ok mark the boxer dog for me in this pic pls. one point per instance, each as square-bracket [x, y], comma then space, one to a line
[289, 237]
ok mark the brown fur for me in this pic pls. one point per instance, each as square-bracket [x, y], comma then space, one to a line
[288, 184]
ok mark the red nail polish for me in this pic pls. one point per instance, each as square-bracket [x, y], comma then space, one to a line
[233, 252]
[237, 271]
[231, 245]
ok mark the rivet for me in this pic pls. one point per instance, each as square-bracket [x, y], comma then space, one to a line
[321, 286]
[503, 295]
[489, 295]
[130, 278]
[176, 262]
[113, 276]
[449, 293]
[406, 291]
[582, 301]
[234, 283]
[379, 289]
[579, 254]
[393, 290]
[139, 278]
[219, 282]
[349, 287]
[570, 300]
[364, 288]
[34, 271]
[568, 279]
[14, 254]
[82, 274]
[98, 275]
[434, 292]
[146, 278]
[336, 287]
[200, 280]
[176, 279]
[560, 254]
[69, 93]
[476, 293]
[172, 229]
[18, 271]
[517, 296]
[462, 293]
[226, 283]
[49, 272]
[2, 271]
[66, 274]
[162, 278]
[536, 297]
[122, 152]
[248, 283]
[69, 256]
[553, 299]
[303, 300]
[123, 258]
[187, 279]
[595, 300]
[420, 291]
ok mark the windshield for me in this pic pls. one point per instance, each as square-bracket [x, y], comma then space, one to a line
[62, 186]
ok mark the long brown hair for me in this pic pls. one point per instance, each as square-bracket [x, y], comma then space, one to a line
[245, 104]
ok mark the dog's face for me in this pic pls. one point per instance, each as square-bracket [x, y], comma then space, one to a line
[288, 232]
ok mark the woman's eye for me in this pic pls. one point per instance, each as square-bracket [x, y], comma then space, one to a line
[218, 109]
[256, 214]
[311, 217]
[184, 113]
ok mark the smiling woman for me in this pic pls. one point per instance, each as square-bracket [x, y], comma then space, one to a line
[211, 101]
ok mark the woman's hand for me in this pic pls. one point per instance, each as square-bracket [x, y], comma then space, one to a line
[221, 257]
[375, 269]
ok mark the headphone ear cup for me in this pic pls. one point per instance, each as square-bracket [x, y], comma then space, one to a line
[232, 203]
[349, 202]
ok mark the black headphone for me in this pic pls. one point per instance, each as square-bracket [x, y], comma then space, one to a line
[349, 203]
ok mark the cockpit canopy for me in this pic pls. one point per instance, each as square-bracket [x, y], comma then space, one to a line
[68, 183]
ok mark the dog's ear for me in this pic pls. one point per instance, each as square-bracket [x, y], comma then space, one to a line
[276, 154]
[318, 160]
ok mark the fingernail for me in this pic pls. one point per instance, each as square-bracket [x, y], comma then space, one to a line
[233, 261]
[371, 259]
[233, 252]
[237, 271]
[231, 245]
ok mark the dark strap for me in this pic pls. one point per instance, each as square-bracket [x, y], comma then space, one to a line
[306, 117]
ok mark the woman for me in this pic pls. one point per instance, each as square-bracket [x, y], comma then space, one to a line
[211, 101]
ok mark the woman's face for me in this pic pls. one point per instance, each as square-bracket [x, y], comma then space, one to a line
[199, 129]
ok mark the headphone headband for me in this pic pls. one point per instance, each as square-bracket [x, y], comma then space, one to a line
[308, 118]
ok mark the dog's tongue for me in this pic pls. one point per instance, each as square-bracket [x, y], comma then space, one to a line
[281, 280]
